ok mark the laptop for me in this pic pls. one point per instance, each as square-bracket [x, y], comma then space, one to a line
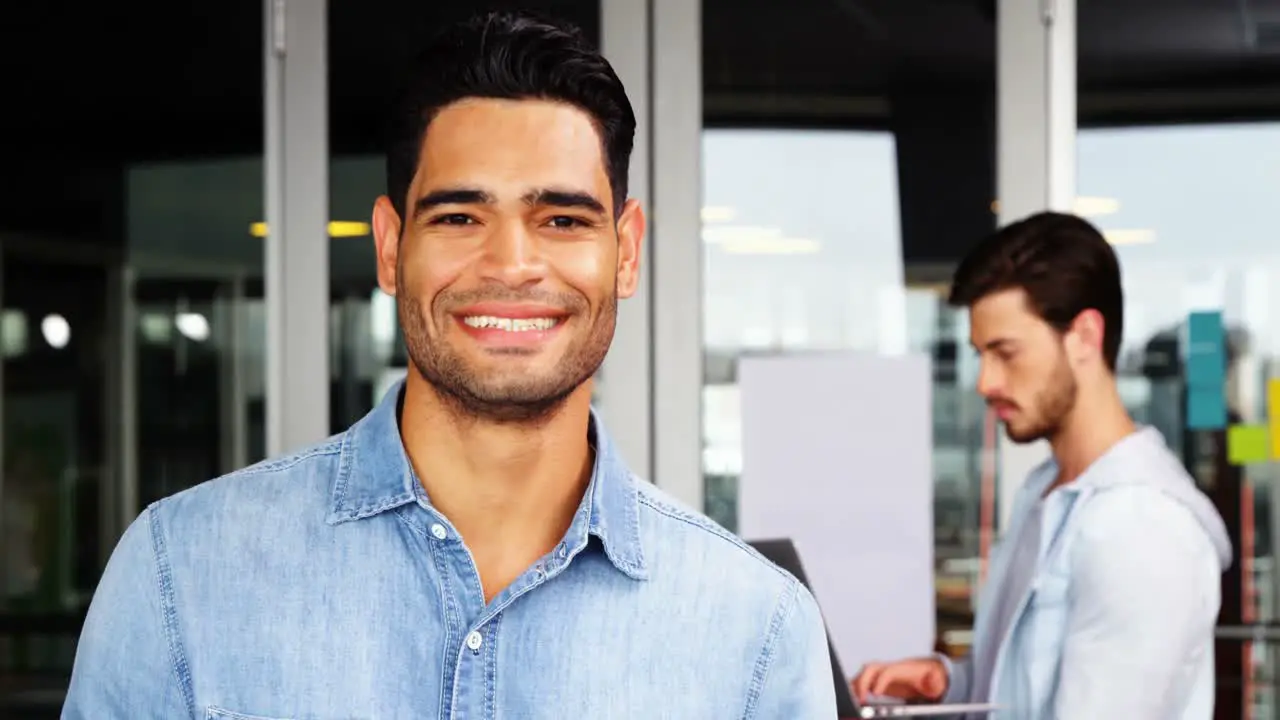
[783, 553]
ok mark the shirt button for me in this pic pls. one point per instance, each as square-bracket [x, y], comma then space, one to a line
[439, 531]
[562, 551]
[475, 640]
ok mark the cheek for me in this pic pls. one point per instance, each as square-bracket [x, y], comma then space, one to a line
[429, 272]
[1034, 381]
[1021, 378]
[589, 269]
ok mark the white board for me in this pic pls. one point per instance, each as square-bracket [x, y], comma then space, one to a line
[838, 456]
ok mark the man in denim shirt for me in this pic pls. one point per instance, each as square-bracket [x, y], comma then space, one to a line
[474, 547]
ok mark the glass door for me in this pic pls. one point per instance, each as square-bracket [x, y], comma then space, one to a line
[57, 491]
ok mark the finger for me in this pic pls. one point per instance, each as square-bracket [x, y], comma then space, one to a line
[934, 685]
[862, 683]
[884, 680]
[866, 679]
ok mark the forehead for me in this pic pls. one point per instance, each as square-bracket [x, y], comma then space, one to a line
[1002, 315]
[523, 142]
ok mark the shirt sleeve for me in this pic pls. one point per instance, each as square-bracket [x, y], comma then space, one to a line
[123, 668]
[1143, 603]
[959, 674]
[794, 673]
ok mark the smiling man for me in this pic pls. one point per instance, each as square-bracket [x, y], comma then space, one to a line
[474, 547]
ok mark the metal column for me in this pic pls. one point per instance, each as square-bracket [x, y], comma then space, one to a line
[626, 380]
[653, 377]
[297, 244]
[677, 248]
[1035, 149]
[229, 310]
[121, 501]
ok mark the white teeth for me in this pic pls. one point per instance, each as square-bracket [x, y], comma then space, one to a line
[509, 324]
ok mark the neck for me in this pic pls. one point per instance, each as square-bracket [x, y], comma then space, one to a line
[1096, 423]
[506, 488]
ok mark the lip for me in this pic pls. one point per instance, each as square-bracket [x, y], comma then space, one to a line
[515, 311]
[509, 341]
[1004, 412]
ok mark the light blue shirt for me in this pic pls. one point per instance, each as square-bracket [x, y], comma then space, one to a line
[325, 586]
[1117, 620]
[1006, 600]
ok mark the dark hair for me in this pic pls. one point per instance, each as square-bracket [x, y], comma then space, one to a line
[1062, 263]
[509, 56]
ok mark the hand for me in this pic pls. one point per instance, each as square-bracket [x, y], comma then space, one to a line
[918, 680]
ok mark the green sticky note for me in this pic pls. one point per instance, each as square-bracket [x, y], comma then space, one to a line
[1247, 444]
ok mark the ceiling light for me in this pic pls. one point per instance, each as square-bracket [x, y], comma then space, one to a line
[750, 240]
[193, 326]
[1130, 237]
[772, 246]
[348, 228]
[56, 331]
[1083, 206]
[712, 213]
[734, 233]
[337, 228]
[1095, 206]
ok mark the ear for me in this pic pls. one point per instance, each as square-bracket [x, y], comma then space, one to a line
[631, 227]
[386, 241]
[1086, 335]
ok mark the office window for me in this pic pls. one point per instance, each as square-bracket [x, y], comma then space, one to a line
[1191, 212]
[134, 175]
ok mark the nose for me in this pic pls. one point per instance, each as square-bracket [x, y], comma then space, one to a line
[990, 379]
[513, 256]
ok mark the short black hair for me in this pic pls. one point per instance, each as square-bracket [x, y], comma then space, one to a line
[1063, 264]
[512, 56]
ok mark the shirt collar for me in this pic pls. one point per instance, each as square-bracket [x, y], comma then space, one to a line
[374, 476]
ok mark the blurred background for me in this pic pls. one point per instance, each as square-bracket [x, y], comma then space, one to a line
[815, 169]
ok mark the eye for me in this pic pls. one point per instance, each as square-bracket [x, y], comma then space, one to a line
[566, 222]
[453, 219]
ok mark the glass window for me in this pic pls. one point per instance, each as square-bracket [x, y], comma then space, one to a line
[1191, 212]
[198, 330]
[129, 349]
[848, 160]
[786, 267]
[804, 251]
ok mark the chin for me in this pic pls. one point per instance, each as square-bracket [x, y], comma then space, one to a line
[516, 368]
[1024, 436]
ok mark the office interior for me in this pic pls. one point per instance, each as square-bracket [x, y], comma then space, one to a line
[807, 164]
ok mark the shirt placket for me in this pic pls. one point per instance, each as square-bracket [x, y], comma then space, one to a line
[468, 676]
[475, 672]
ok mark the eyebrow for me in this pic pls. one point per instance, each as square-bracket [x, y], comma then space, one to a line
[564, 199]
[450, 196]
[553, 197]
[996, 344]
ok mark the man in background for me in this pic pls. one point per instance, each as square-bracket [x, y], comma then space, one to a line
[1104, 590]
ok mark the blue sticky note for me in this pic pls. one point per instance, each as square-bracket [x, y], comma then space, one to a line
[1206, 351]
[1206, 368]
[1204, 324]
[1206, 408]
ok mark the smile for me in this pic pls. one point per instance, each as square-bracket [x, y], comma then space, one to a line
[508, 324]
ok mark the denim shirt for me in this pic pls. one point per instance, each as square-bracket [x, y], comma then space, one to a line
[324, 586]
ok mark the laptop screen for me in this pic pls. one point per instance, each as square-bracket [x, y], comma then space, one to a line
[783, 553]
